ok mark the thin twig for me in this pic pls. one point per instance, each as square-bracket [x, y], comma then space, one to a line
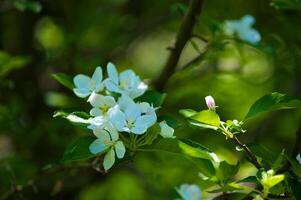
[250, 155]
[196, 59]
[184, 34]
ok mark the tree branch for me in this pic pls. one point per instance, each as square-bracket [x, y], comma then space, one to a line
[250, 156]
[184, 34]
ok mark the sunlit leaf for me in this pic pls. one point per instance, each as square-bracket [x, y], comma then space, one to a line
[187, 112]
[271, 102]
[207, 117]
[194, 149]
[78, 118]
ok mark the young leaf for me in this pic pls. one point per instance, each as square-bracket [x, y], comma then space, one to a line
[78, 118]
[79, 150]
[271, 102]
[194, 149]
[64, 79]
[152, 97]
[207, 117]
[187, 112]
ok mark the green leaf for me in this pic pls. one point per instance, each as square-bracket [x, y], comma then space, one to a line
[152, 97]
[23, 5]
[77, 118]
[226, 171]
[207, 169]
[295, 187]
[263, 152]
[207, 117]
[295, 166]
[169, 120]
[273, 180]
[277, 164]
[271, 102]
[79, 150]
[203, 126]
[231, 187]
[9, 63]
[286, 4]
[187, 112]
[64, 79]
[196, 150]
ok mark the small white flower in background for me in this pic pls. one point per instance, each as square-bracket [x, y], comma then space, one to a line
[210, 103]
[243, 29]
[101, 104]
[189, 192]
[132, 117]
[166, 130]
[127, 82]
[84, 85]
[108, 140]
[298, 157]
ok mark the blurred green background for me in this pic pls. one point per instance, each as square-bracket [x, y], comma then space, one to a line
[38, 38]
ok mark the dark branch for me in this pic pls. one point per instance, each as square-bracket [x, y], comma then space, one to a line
[182, 37]
[250, 156]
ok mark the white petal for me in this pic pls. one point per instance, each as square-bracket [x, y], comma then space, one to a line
[132, 112]
[96, 100]
[109, 101]
[117, 118]
[112, 73]
[103, 135]
[113, 132]
[166, 131]
[83, 82]
[119, 149]
[98, 121]
[82, 93]
[124, 101]
[146, 120]
[109, 159]
[97, 78]
[144, 106]
[98, 146]
[139, 129]
[95, 112]
[111, 86]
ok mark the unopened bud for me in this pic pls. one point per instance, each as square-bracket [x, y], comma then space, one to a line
[210, 102]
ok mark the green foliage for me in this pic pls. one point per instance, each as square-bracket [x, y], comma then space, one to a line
[227, 171]
[194, 149]
[24, 5]
[287, 4]
[64, 79]
[152, 97]
[79, 150]
[271, 102]
[77, 118]
[9, 63]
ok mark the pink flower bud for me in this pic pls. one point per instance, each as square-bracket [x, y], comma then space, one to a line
[210, 102]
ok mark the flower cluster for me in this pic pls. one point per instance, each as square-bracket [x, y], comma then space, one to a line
[243, 29]
[116, 110]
